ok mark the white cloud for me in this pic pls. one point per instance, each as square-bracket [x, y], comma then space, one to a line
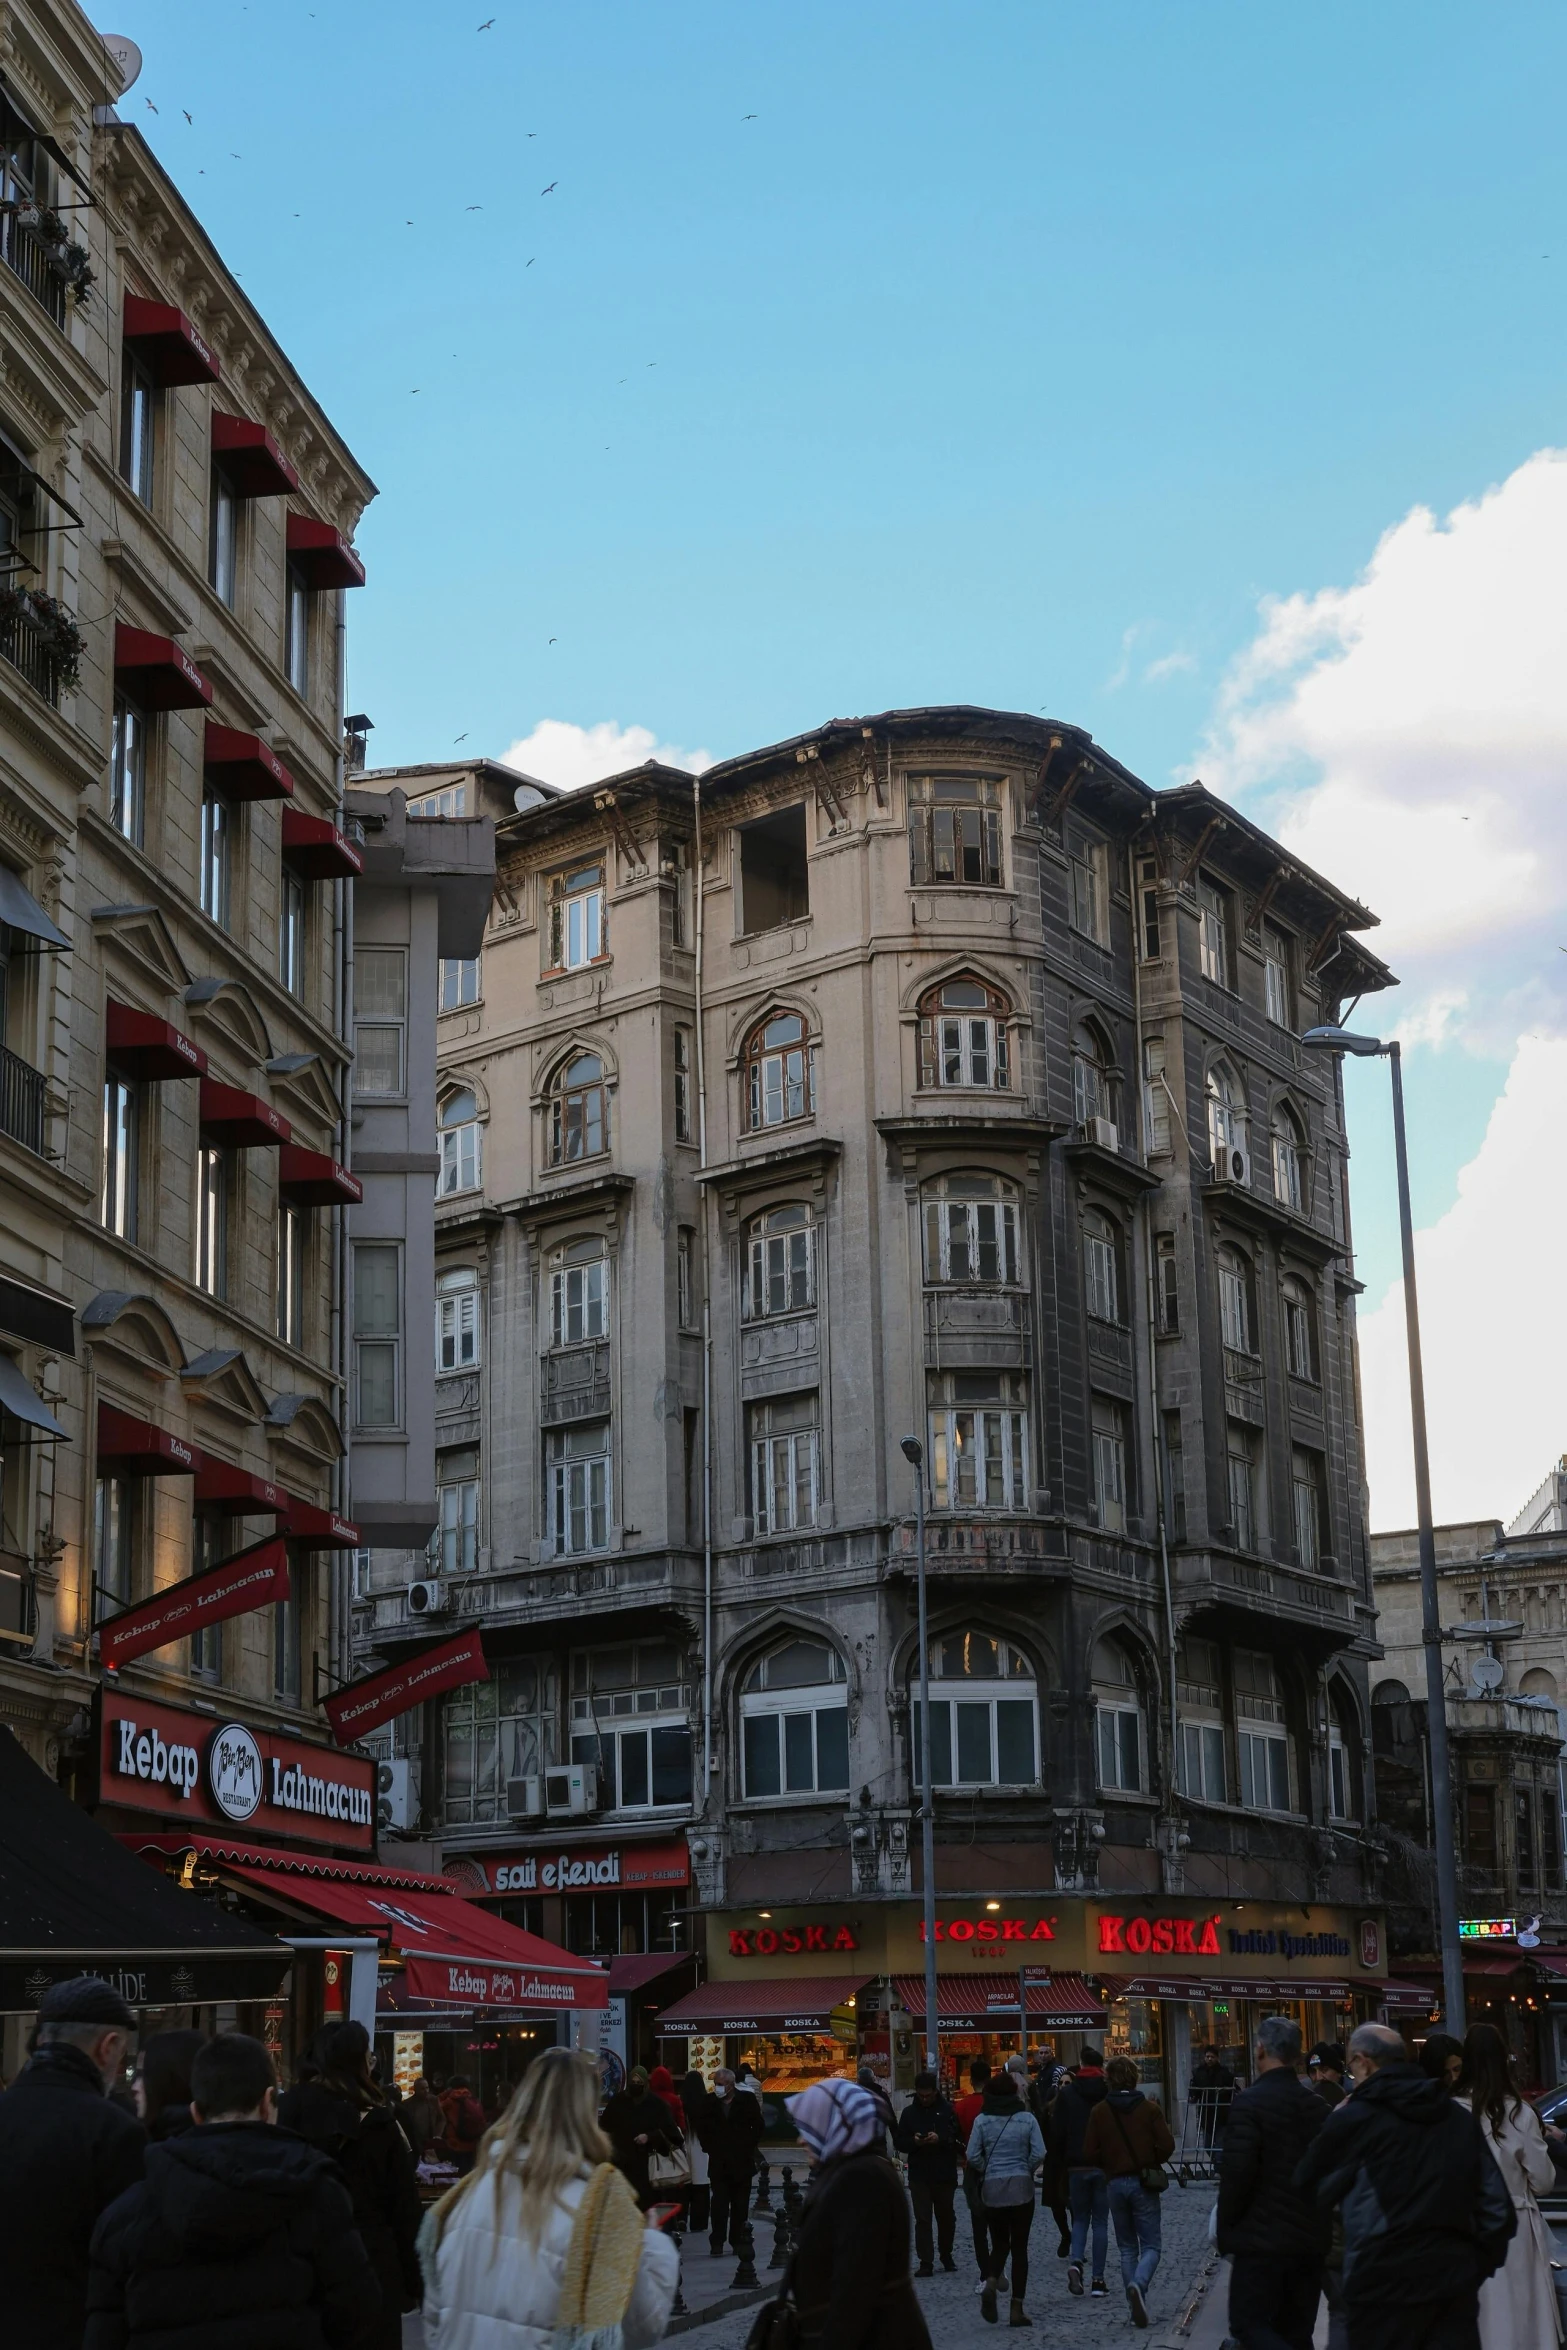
[558, 752]
[1168, 665]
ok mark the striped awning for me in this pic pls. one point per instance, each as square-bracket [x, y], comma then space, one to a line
[980, 2003]
[792, 2003]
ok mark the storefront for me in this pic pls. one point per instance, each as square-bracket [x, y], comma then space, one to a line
[791, 2032]
[600, 1900]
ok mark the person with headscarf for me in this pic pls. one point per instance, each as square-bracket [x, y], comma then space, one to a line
[662, 2083]
[851, 2281]
[639, 2125]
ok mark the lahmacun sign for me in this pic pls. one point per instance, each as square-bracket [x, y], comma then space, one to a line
[471, 1982]
[187, 1768]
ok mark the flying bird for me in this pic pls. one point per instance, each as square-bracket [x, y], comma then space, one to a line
[473, 208]
[189, 117]
[483, 28]
[147, 102]
[556, 640]
[748, 118]
[550, 190]
[528, 264]
[463, 737]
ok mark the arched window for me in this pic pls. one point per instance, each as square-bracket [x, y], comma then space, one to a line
[1538, 1681]
[1390, 1693]
[579, 1293]
[978, 1422]
[1095, 1090]
[984, 1714]
[1289, 1158]
[1226, 1113]
[1101, 1266]
[457, 1321]
[1261, 1737]
[460, 1149]
[1343, 1756]
[1199, 1691]
[780, 1073]
[1236, 1320]
[794, 1721]
[578, 1110]
[1119, 1713]
[1300, 1328]
[779, 1272]
[963, 1036]
[971, 1231]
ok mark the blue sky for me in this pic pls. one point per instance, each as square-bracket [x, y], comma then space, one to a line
[1010, 354]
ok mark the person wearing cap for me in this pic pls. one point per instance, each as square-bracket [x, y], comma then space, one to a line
[66, 2152]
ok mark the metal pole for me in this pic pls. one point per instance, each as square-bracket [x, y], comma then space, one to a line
[1430, 1614]
[928, 1807]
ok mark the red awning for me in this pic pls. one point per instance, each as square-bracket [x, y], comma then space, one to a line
[135, 1448]
[1408, 1998]
[219, 1483]
[242, 767]
[977, 2001]
[254, 464]
[157, 672]
[252, 1578]
[323, 554]
[319, 1529]
[1229, 1987]
[315, 848]
[267, 1857]
[229, 1114]
[639, 1968]
[796, 2003]
[144, 1046]
[166, 343]
[311, 1179]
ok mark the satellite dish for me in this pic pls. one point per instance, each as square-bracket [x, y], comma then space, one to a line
[1487, 1672]
[126, 56]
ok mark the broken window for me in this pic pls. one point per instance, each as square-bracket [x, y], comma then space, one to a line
[772, 871]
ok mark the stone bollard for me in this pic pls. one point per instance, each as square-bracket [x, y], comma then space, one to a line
[745, 2279]
[764, 2191]
[780, 2252]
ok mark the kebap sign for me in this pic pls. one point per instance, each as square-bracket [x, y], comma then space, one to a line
[188, 1769]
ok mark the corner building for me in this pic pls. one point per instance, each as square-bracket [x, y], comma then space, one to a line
[927, 1074]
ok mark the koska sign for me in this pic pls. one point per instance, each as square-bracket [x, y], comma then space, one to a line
[771, 1941]
[587, 1869]
[1184, 1937]
[159, 1758]
[986, 1929]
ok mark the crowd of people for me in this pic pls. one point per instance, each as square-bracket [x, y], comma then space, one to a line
[208, 2210]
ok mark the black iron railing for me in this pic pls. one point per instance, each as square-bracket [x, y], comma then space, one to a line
[21, 1101]
[25, 252]
[26, 645]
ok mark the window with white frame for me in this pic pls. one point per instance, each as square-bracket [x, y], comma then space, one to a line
[1101, 1266]
[454, 1546]
[1261, 1735]
[682, 1063]
[1235, 1314]
[784, 1438]
[1226, 1107]
[955, 830]
[1090, 877]
[114, 1545]
[577, 1471]
[978, 1428]
[1240, 1465]
[963, 1037]
[579, 1293]
[1343, 1778]
[1308, 1496]
[577, 928]
[685, 1277]
[1108, 1428]
[223, 536]
[984, 1713]
[971, 1232]
[794, 1721]
[138, 424]
[1300, 1327]
[217, 840]
[1199, 1691]
[378, 1327]
[779, 1273]
[1213, 932]
[1277, 989]
[128, 770]
[296, 629]
[380, 1020]
[578, 1110]
[630, 1719]
[780, 1071]
[450, 800]
[1166, 1286]
[291, 1234]
[1149, 941]
[461, 1150]
[1118, 1713]
[1094, 1090]
[1156, 1097]
[212, 1219]
[1289, 1157]
[291, 932]
[457, 1321]
[458, 982]
[121, 1155]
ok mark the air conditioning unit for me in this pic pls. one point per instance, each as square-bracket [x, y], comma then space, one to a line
[428, 1599]
[525, 1798]
[1234, 1166]
[571, 1790]
[1103, 1131]
[394, 1797]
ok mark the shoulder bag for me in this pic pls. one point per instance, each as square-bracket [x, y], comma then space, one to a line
[1152, 2177]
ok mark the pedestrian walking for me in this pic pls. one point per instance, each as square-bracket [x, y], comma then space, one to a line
[240, 2234]
[1518, 2305]
[1441, 2058]
[462, 2122]
[694, 2094]
[420, 2118]
[1326, 2068]
[966, 2112]
[162, 2083]
[638, 2126]
[1275, 2232]
[1130, 2140]
[733, 2121]
[850, 2274]
[1212, 2090]
[66, 2152]
[927, 2136]
[1049, 2076]
[1427, 2215]
[1005, 2147]
[1087, 2196]
[344, 2113]
[542, 2244]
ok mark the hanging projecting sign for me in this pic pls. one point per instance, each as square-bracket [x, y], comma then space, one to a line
[251, 1579]
[397, 1690]
[193, 1771]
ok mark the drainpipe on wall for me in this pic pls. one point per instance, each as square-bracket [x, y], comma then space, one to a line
[1156, 1423]
[340, 1645]
[707, 1317]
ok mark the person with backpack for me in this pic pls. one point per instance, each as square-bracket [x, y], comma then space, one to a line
[1005, 2149]
[1087, 2194]
[1130, 2140]
[343, 2111]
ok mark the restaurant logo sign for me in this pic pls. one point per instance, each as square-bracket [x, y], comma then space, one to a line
[989, 1929]
[772, 1941]
[1268, 1942]
[235, 1771]
[1142, 1937]
[1370, 1943]
[162, 1760]
[583, 1868]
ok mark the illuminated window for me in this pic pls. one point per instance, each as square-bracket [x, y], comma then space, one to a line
[978, 1428]
[983, 1714]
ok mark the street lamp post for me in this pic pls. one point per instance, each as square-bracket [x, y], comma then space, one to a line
[914, 1454]
[1341, 1040]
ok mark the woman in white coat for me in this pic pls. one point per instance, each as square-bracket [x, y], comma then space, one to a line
[1518, 2309]
[543, 2244]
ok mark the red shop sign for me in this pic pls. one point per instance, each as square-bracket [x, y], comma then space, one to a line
[584, 1868]
[1185, 1937]
[771, 1941]
[990, 1929]
[190, 1770]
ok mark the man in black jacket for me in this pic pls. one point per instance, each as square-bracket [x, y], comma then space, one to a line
[1277, 2234]
[927, 2133]
[66, 2152]
[1427, 2214]
[239, 2235]
[1087, 2191]
[733, 2124]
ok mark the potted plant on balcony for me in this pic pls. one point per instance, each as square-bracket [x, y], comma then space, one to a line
[67, 257]
[53, 630]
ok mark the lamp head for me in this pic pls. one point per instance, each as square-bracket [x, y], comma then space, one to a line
[913, 1451]
[1342, 1040]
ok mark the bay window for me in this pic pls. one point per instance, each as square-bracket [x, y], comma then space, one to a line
[579, 1286]
[978, 1423]
[971, 1235]
[784, 1438]
[1262, 1737]
[963, 1037]
[577, 929]
[1118, 1715]
[983, 1714]
[794, 1721]
[955, 830]
[779, 1274]
[577, 1470]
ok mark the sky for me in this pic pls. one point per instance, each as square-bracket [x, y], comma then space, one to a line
[1193, 374]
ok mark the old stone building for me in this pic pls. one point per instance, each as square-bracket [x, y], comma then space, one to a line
[927, 1075]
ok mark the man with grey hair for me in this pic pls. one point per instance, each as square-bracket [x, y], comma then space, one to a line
[1273, 2230]
[1427, 2215]
[66, 2152]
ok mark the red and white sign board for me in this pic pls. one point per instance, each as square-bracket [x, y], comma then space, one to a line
[252, 1579]
[380, 1696]
[191, 1770]
[582, 1868]
[480, 1982]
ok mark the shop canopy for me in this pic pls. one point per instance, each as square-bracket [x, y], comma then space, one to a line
[1408, 1998]
[73, 1901]
[639, 1968]
[796, 2003]
[980, 2003]
[1229, 1987]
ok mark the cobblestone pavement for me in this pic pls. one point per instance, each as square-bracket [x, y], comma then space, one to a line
[951, 2303]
